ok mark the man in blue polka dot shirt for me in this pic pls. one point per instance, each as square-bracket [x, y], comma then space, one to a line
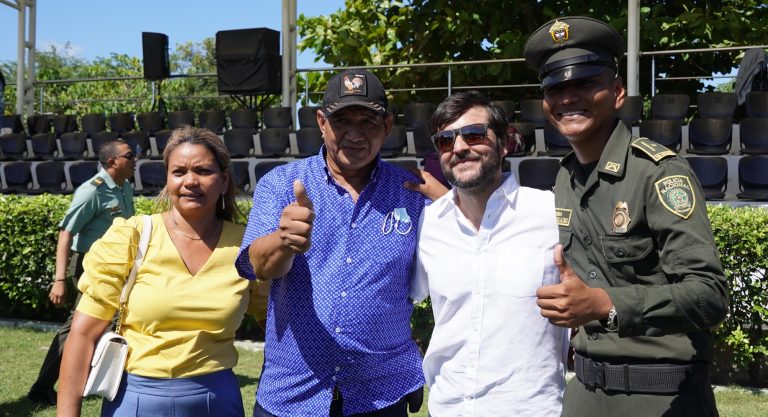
[336, 234]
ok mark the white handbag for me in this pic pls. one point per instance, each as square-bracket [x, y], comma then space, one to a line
[111, 351]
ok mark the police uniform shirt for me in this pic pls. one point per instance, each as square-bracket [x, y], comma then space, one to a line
[638, 228]
[95, 204]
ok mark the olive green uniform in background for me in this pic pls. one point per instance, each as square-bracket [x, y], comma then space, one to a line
[638, 228]
[94, 205]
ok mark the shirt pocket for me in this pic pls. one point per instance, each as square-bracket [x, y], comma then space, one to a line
[521, 273]
[632, 259]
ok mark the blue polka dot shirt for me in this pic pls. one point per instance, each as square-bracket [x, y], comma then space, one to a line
[341, 316]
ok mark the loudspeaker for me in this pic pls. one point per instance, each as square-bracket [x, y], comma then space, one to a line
[248, 61]
[155, 50]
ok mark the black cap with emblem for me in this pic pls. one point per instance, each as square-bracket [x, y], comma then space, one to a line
[354, 88]
[569, 48]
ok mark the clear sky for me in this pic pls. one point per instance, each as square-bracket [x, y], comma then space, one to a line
[97, 28]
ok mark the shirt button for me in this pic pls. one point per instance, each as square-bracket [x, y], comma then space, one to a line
[338, 368]
[333, 378]
[338, 330]
[592, 274]
[354, 225]
[593, 336]
[620, 252]
[349, 260]
[588, 240]
[468, 397]
[343, 293]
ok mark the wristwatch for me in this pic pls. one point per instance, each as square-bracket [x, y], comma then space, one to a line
[612, 322]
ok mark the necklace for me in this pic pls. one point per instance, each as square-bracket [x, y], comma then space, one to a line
[178, 231]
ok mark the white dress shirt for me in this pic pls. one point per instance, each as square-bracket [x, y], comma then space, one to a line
[492, 354]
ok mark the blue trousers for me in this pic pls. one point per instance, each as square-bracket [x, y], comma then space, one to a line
[212, 395]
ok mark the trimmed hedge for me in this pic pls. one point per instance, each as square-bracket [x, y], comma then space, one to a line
[28, 247]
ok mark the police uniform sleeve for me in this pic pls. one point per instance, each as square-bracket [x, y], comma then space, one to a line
[106, 267]
[83, 208]
[694, 297]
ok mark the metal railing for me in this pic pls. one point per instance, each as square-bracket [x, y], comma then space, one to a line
[448, 87]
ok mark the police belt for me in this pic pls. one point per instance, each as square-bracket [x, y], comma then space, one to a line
[645, 378]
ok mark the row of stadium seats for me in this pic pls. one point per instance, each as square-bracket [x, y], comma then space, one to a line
[734, 177]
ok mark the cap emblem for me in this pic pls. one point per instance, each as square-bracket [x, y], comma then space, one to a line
[354, 85]
[560, 31]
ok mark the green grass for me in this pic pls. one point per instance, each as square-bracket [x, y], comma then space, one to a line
[22, 351]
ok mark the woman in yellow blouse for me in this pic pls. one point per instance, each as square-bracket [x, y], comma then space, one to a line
[186, 304]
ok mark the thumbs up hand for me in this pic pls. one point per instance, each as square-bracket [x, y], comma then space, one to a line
[571, 303]
[295, 227]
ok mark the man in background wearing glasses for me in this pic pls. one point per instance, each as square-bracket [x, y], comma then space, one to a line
[484, 250]
[96, 202]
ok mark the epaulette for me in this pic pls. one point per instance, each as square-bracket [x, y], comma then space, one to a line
[652, 149]
[97, 182]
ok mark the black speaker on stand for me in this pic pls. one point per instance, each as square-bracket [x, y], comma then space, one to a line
[156, 63]
[248, 61]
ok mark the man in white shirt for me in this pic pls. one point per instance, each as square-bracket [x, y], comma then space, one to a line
[484, 249]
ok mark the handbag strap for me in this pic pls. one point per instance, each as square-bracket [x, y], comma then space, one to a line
[137, 260]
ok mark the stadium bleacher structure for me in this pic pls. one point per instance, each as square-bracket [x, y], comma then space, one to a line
[708, 135]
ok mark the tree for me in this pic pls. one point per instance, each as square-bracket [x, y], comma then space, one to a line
[389, 32]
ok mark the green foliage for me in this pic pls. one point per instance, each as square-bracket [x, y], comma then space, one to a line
[28, 251]
[370, 32]
[741, 235]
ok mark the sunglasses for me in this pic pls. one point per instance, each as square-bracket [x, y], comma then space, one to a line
[473, 134]
[128, 155]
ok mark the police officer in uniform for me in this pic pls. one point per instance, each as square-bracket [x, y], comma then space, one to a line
[95, 204]
[639, 270]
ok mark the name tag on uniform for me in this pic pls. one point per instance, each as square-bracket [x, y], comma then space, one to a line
[563, 217]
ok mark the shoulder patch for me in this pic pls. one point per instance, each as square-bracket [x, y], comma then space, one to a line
[676, 195]
[97, 182]
[652, 149]
[563, 217]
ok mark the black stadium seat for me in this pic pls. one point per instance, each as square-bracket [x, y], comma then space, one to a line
[64, 123]
[38, 123]
[73, 146]
[261, 169]
[395, 143]
[555, 143]
[212, 119]
[664, 132]
[709, 136]
[239, 142]
[82, 171]
[100, 138]
[18, 177]
[121, 122]
[92, 123]
[274, 141]
[508, 107]
[161, 140]
[138, 141]
[716, 105]
[241, 177]
[309, 140]
[670, 106]
[153, 177]
[44, 146]
[754, 136]
[308, 116]
[418, 114]
[539, 173]
[757, 104]
[180, 118]
[244, 118]
[532, 111]
[14, 146]
[712, 173]
[753, 178]
[631, 112]
[278, 117]
[50, 178]
[150, 122]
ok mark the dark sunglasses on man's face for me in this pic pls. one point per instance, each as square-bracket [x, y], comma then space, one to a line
[128, 155]
[471, 134]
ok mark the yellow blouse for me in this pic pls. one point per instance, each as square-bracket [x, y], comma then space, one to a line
[177, 325]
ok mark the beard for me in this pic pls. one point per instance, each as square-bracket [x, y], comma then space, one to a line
[481, 179]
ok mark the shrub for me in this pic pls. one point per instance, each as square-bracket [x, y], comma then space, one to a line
[741, 235]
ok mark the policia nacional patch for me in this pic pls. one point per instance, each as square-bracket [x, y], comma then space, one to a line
[676, 195]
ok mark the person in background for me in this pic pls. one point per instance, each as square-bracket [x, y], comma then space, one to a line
[336, 235]
[484, 249]
[640, 275]
[186, 304]
[96, 203]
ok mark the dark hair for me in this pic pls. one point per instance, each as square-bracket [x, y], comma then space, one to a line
[453, 107]
[214, 144]
[109, 150]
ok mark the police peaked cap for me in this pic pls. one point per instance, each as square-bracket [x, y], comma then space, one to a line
[574, 47]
